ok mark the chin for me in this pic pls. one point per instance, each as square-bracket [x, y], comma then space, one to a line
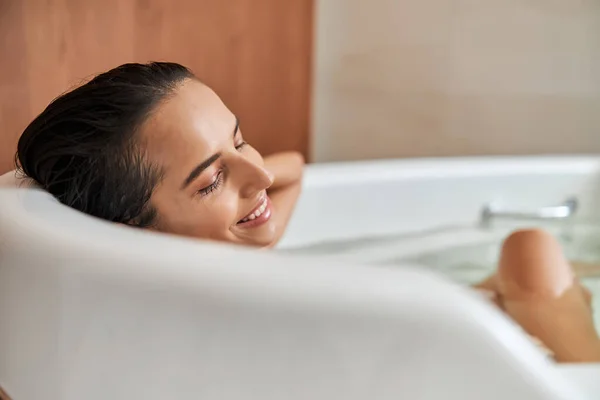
[263, 236]
[258, 241]
[262, 242]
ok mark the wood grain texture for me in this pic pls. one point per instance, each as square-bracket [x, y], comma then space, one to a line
[14, 85]
[256, 54]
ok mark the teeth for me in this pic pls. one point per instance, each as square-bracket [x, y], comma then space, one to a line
[257, 213]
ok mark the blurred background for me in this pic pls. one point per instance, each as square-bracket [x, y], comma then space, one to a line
[334, 79]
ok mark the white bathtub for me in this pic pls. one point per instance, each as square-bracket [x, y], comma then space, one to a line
[346, 201]
[94, 310]
[431, 212]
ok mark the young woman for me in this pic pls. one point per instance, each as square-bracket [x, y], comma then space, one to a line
[148, 145]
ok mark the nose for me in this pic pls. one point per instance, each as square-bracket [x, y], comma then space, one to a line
[250, 175]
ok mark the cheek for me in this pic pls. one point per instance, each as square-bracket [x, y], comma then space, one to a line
[210, 217]
[220, 212]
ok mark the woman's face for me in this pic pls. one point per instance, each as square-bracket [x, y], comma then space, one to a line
[214, 184]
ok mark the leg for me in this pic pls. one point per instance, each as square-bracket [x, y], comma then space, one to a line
[537, 288]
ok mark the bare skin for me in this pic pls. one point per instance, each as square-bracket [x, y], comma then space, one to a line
[215, 185]
[536, 287]
[3, 395]
[534, 284]
[287, 171]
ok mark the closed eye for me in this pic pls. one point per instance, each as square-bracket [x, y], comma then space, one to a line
[213, 186]
[240, 146]
[237, 136]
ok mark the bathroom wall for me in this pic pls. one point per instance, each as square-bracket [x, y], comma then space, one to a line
[255, 53]
[396, 78]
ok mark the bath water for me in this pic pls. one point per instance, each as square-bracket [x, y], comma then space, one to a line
[470, 264]
[468, 254]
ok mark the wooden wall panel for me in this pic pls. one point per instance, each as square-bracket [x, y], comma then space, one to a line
[255, 53]
[14, 85]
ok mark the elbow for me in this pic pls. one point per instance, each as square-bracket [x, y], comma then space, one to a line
[300, 162]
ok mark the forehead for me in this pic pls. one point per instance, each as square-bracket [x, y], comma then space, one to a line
[190, 124]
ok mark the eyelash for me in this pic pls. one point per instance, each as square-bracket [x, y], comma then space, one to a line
[217, 183]
[213, 186]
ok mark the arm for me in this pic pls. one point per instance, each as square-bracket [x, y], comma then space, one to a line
[287, 170]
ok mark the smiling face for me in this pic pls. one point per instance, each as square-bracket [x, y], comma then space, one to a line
[214, 183]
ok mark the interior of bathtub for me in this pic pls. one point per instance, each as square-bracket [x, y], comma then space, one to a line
[363, 298]
[450, 216]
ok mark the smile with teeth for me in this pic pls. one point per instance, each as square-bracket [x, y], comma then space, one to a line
[257, 212]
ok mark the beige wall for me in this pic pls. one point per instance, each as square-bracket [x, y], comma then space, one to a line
[398, 78]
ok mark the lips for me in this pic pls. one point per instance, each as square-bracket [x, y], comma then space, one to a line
[257, 212]
[259, 215]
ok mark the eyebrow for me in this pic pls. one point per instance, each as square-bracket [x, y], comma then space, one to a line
[208, 162]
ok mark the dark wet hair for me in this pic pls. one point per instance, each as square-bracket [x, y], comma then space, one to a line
[83, 147]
